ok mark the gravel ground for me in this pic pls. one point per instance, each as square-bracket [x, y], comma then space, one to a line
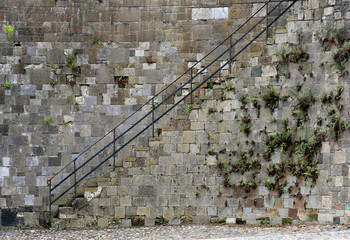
[318, 232]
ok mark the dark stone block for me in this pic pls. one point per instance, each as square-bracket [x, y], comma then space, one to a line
[4, 130]
[17, 109]
[38, 151]
[256, 71]
[146, 191]
[34, 191]
[8, 218]
[18, 141]
[336, 220]
[25, 209]
[2, 97]
[54, 161]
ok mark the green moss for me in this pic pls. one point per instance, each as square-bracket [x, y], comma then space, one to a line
[286, 221]
[312, 217]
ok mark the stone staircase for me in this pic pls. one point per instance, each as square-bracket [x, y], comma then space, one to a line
[174, 162]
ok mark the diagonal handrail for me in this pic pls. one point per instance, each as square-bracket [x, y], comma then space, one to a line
[167, 98]
[163, 90]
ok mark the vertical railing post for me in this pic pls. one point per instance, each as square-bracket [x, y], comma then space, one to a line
[191, 85]
[267, 20]
[114, 149]
[152, 117]
[230, 61]
[75, 179]
[50, 214]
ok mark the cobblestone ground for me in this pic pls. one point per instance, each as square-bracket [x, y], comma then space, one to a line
[318, 232]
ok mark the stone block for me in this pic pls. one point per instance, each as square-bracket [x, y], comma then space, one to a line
[202, 32]
[314, 202]
[103, 222]
[326, 202]
[212, 211]
[340, 157]
[126, 222]
[119, 212]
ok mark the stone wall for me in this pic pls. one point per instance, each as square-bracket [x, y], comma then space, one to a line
[125, 53]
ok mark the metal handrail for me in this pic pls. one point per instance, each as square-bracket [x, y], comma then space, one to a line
[168, 86]
[172, 94]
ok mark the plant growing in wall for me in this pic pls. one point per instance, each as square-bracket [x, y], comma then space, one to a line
[189, 109]
[302, 107]
[292, 54]
[271, 97]
[249, 184]
[95, 39]
[9, 30]
[7, 85]
[243, 98]
[245, 125]
[341, 57]
[329, 35]
[256, 104]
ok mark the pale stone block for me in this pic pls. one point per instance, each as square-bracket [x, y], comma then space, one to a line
[202, 13]
[143, 211]
[149, 66]
[338, 181]
[340, 157]
[326, 202]
[139, 53]
[221, 13]
[230, 220]
[29, 200]
[144, 45]
[269, 71]
[328, 11]
[326, 148]
[4, 172]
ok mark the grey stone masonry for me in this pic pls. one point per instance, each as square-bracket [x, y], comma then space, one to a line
[73, 70]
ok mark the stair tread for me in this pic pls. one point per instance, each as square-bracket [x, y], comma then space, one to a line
[181, 118]
[129, 159]
[168, 128]
[142, 149]
[154, 139]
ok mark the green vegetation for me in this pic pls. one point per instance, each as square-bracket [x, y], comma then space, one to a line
[270, 97]
[245, 126]
[47, 121]
[189, 109]
[292, 54]
[7, 85]
[9, 29]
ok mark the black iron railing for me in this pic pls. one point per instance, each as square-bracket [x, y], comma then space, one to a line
[62, 178]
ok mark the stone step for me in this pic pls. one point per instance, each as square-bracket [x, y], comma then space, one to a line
[181, 118]
[281, 30]
[154, 139]
[104, 179]
[143, 149]
[90, 189]
[196, 106]
[129, 159]
[168, 128]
